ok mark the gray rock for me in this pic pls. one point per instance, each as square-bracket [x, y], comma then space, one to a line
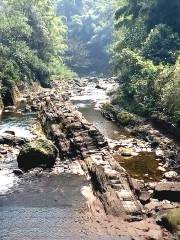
[162, 169]
[38, 153]
[171, 175]
[7, 138]
[10, 132]
[135, 185]
[98, 86]
[168, 191]
[144, 197]
[18, 172]
[127, 152]
[3, 151]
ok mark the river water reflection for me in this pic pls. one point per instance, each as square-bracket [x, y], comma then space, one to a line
[144, 165]
[47, 206]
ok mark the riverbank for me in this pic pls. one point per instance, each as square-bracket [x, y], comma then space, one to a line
[57, 195]
[165, 145]
[150, 158]
[50, 103]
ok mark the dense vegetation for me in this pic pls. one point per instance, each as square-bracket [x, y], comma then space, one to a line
[90, 27]
[31, 42]
[146, 56]
[37, 37]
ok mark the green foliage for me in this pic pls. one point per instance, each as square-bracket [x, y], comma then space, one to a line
[138, 87]
[90, 24]
[146, 52]
[107, 107]
[163, 12]
[125, 118]
[171, 219]
[171, 91]
[162, 45]
[31, 37]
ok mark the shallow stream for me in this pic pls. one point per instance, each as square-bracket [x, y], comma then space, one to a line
[48, 206]
[144, 165]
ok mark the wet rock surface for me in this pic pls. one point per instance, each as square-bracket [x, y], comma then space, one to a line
[168, 190]
[166, 148]
[171, 220]
[38, 153]
[82, 146]
[76, 138]
[150, 152]
[11, 139]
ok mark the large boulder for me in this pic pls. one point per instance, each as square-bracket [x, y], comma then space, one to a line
[10, 139]
[171, 220]
[38, 153]
[168, 191]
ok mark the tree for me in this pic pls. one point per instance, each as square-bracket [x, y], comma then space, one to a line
[90, 25]
[146, 52]
[31, 38]
[165, 12]
[162, 45]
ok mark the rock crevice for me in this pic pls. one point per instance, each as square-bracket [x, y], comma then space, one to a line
[76, 138]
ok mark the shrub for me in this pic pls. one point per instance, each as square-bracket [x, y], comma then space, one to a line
[162, 45]
[126, 118]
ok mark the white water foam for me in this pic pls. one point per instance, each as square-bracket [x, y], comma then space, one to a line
[7, 181]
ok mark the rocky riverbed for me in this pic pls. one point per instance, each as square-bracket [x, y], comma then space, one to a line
[97, 151]
[148, 155]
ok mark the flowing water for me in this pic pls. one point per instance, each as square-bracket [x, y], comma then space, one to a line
[35, 207]
[21, 125]
[42, 208]
[48, 206]
[86, 102]
[144, 165]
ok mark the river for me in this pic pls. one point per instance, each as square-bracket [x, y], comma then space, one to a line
[86, 104]
[47, 206]
[144, 165]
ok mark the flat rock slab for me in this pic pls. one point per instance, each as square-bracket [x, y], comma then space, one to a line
[77, 139]
[169, 191]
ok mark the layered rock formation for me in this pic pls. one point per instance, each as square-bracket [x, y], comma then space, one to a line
[168, 190]
[76, 138]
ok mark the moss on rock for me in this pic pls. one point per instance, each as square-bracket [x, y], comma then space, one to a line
[38, 153]
[108, 107]
[171, 220]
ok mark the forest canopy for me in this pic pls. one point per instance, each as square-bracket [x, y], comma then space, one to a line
[90, 29]
[146, 56]
[32, 42]
[39, 37]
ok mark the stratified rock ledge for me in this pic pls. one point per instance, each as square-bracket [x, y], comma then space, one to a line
[76, 138]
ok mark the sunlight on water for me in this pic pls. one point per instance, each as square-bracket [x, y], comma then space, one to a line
[18, 123]
[7, 181]
[86, 101]
[19, 131]
[91, 93]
